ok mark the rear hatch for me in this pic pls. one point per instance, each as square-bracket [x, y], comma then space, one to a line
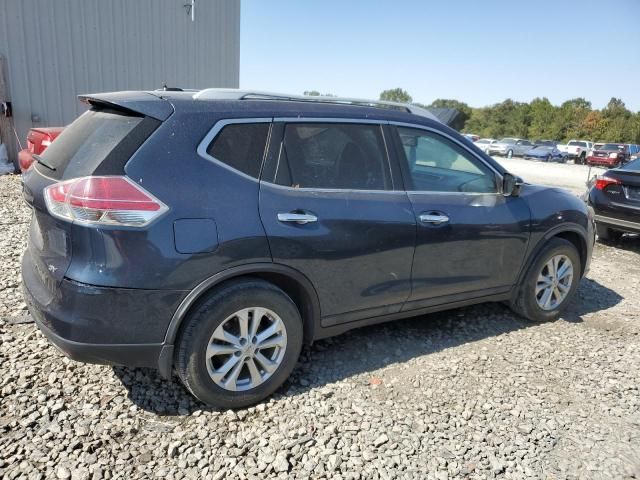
[99, 142]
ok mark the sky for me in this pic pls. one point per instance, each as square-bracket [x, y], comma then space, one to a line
[476, 51]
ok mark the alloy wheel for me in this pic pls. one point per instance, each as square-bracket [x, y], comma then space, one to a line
[554, 282]
[246, 349]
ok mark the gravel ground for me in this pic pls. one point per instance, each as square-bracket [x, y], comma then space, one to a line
[470, 393]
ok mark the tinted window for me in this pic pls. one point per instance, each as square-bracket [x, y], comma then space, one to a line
[87, 142]
[436, 164]
[241, 146]
[333, 155]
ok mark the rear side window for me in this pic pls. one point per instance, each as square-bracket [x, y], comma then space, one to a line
[95, 136]
[334, 156]
[241, 146]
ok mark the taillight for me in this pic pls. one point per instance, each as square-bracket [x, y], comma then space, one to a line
[603, 182]
[103, 201]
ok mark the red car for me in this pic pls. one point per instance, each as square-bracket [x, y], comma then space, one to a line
[609, 155]
[38, 140]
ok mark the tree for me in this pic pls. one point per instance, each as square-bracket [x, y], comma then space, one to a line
[396, 95]
[543, 125]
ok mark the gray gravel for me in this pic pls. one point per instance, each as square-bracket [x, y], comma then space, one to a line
[471, 393]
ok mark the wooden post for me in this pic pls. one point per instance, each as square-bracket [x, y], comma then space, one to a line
[7, 131]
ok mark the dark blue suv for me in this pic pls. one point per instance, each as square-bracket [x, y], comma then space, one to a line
[213, 233]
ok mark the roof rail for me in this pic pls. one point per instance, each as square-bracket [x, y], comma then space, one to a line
[236, 94]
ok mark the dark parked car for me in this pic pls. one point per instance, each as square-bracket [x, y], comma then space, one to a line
[38, 139]
[615, 197]
[546, 153]
[609, 155]
[213, 234]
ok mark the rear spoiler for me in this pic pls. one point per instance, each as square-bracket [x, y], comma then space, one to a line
[140, 103]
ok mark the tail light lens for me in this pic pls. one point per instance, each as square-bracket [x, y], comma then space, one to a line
[103, 201]
[603, 182]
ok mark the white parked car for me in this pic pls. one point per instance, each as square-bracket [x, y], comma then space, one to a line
[578, 150]
[484, 143]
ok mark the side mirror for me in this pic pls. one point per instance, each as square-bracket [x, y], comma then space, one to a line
[511, 185]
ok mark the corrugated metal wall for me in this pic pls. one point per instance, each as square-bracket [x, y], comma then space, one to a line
[59, 49]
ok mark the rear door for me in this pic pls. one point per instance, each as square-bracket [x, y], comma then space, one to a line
[471, 240]
[333, 210]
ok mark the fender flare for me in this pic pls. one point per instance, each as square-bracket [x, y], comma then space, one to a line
[552, 232]
[242, 270]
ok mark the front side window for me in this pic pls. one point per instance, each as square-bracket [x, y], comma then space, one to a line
[241, 146]
[333, 155]
[436, 164]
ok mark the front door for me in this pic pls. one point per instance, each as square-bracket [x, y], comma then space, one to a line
[471, 240]
[330, 211]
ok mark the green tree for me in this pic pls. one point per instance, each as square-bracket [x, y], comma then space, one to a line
[396, 95]
[543, 125]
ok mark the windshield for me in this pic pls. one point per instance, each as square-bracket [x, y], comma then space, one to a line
[612, 146]
[508, 140]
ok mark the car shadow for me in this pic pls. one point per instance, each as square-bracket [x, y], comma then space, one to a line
[369, 348]
[629, 242]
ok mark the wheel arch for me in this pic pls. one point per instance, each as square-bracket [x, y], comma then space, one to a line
[573, 233]
[292, 282]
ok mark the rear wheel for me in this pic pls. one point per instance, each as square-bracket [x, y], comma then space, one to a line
[550, 282]
[239, 344]
[581, 159]
[607, 234]
[510, 154]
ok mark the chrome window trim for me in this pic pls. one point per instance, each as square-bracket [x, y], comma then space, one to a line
[216, 129]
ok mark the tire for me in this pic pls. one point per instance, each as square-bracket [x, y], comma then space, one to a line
[526, 302]
[548, 159]
[606, 234]
[208, 316]
[581, 159]
[510, 154]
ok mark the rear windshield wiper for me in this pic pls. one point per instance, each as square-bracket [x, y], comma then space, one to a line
[39, 159]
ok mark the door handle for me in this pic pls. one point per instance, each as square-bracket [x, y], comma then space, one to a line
[434, 218]
[299, 218]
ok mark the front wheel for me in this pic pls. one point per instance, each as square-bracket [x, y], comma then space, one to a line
[510, 154]
[239, 344]
[549, 158]
[550, 282]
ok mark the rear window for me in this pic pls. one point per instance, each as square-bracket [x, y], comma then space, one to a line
[85, 144]
[578, 144]
[241, 146]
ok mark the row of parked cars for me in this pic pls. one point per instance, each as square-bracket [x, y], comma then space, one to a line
[580, 151]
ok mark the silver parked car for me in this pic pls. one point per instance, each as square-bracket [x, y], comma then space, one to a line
[510, 147]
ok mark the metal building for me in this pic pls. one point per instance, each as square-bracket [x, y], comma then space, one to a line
[55, 50]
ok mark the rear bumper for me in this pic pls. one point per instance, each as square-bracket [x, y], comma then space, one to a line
[619, 224]
[100, 324]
